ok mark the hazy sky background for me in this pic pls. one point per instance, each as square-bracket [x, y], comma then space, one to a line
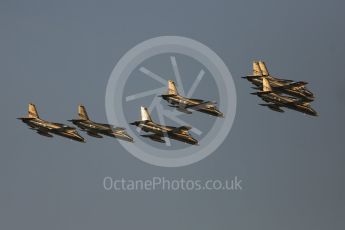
[58, 54]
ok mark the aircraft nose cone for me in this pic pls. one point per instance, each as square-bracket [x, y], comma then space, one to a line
[193, 141]
[80, 139]
[313, 112]
[129, 138]
[124, 136]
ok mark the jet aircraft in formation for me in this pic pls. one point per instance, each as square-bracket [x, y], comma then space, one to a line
[277, 93]
[183, 104]
[276, 101]
[46, 128]
[160, 131]
[283, 86]
[281, 92]
[94, 129]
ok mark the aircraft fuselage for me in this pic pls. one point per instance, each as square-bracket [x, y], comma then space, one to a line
[162, 131]
[183, 103]
[300, 92]
[288, 102]
[94, 129]
[44, 128]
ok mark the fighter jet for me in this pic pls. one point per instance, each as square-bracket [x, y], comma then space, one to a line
[276, 101]
[160, 131]
[98, 129]
[296, 89]
[46, 128]
[183, 104]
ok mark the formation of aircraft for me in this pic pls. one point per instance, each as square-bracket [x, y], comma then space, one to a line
[94, 129]
[98, 130]
[280, 93]
[277, 93]
[46, 128]
[183, 104]
[283, 86]
[158, 132]
[276, 101]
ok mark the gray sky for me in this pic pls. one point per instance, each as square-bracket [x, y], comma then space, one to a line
[58, 54]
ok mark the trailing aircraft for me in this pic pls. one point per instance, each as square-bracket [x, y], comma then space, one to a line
[46, 128]
[95, 129]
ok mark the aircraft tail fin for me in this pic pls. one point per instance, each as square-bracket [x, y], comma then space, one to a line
[172, 90]
[266, 85]
[256, 69]
[82, 113]
[263, 68]
[145, 115]
[32, 111]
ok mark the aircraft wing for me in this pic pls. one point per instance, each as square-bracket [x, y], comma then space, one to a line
[118, 129]
[44, 133]
[181, 129]
[93, 134]
[201, 105]
[181, 109]
[197, 100]
[65, 129]
[106, 125]
[26, 118]
[261, 92]
[251, 76]
[154, 137]
[292, 85]
[77, 120]
[273, 107]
